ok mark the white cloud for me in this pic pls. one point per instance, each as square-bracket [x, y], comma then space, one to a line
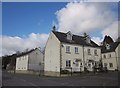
[12, 44]
[82, 17]
[87, 17]
[112, 30]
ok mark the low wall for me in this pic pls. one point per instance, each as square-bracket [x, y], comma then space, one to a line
[51, 73]
[26, 72]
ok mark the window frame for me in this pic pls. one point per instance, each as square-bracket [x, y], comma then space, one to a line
[104, 56]
[96, 52]
[68, 63]
[109, 55]
[111, 65]
[76, 50]
[89, 51]
[105, 64]
[67, 49]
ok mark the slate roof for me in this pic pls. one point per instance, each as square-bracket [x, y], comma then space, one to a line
[25, 53]
[108, 40]
[113, 46]
[75, 39]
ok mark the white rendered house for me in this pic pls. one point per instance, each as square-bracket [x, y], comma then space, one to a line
[29, 61]
[111, 56]
[65, 50]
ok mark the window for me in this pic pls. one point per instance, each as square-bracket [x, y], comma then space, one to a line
[88, 51]
[76, 49]
[68, 49]
[89, 65]
[105, 64]
[68, 63]
[95, 52]
[104, 56]
[110, 55]
[110, 65]
[69, 35]
[107, 46]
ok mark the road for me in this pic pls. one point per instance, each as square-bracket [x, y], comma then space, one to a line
[104, 79]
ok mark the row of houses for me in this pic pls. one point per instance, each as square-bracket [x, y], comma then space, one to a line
[66, 51]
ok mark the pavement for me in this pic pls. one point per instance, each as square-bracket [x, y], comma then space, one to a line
[101, 79]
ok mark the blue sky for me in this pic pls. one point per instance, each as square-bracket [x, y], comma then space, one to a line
[24, 18]
[26, 25]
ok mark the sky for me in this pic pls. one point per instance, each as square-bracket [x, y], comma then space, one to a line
[26, 25]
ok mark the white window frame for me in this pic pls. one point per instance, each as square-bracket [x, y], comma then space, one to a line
[89, 51]
[76, 49]
[68, 63]
[67, 49]
[95, 52]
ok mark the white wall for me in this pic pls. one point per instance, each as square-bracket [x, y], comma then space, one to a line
[52, 54]
[22, 63]
[91, 56]
[109, 60]
[72, 56]
[30, 61]
[118, 56]
[35, 58]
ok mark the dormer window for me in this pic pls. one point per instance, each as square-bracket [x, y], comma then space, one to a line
[69, 35]
[107, 46]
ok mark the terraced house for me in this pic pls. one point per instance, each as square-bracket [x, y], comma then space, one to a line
[66, 51]
[111, 54]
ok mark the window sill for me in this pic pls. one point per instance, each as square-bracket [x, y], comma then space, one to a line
[76, 53]
[89, 54]
[68, 52]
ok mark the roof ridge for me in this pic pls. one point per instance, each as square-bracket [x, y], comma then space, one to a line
[76, 38]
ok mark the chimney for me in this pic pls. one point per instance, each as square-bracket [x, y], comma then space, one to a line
[54, 28]
[86, 37]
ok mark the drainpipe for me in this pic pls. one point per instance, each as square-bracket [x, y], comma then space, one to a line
[116, 59]
[60, 58]
[83, 58]
[101, 63]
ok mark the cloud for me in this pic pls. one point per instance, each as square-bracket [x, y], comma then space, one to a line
[112, 30]
[97, 40]
[86, 17]
[12, 44]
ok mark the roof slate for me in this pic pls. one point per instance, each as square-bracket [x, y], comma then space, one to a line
[25, 53]
[75, 39]
[113, 46]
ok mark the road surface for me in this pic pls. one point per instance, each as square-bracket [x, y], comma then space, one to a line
[104, 79]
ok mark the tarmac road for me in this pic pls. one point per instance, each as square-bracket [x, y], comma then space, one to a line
[102, 79]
